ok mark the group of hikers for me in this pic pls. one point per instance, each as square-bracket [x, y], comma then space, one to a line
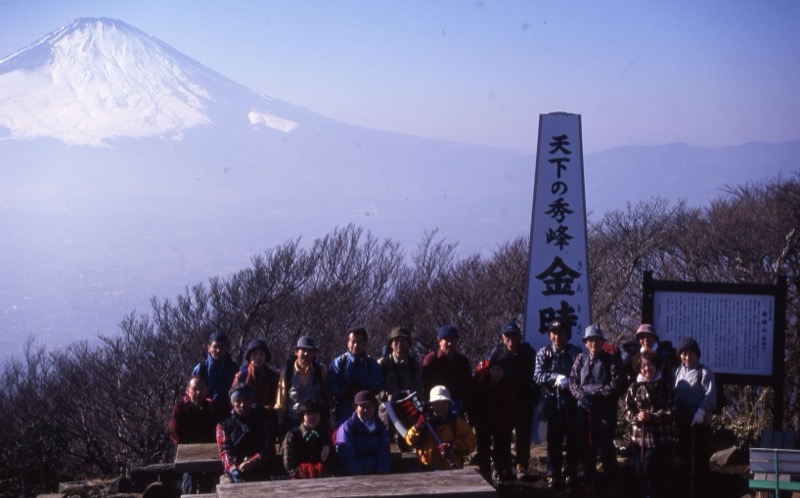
[339, 419]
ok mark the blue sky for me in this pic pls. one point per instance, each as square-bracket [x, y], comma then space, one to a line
[708, 73]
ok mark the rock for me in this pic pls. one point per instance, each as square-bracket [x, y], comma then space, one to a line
[729, 456]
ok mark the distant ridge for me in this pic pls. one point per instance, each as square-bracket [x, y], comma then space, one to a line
[680, 171]
[130, 170]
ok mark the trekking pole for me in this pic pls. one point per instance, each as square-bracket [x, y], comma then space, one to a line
[691, 471]
[421, 409]
[589, 426]
[641, 447]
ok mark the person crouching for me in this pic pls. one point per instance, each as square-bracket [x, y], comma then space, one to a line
[452, 438]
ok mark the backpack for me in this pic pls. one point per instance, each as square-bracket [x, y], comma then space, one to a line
[721, 399]
[288, 370]
[386, 366]
[481, 371]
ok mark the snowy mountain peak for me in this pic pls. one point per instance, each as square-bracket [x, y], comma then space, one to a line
[97, 78]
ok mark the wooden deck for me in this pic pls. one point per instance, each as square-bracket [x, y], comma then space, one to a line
[196, 458]
[193, 458]
[465, 482]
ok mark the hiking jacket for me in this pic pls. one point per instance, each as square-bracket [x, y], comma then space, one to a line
[519, 369]
[190, 423]
[550, 363]
[347, 376]
[360, 451]
[495, 405]
[695, 388]
[657, 398]
[303, 445]
[451, 429]
[405, 375]
[296, 387]
[239, 439]
[454, 373]
[218, 376]
[263, 382]
[597, 379]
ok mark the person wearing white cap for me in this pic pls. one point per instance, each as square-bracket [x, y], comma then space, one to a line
[442, 438]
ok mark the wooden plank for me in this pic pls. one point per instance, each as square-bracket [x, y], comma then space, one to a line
[764, 460]
[201, 457]
[464, 482]
[774, 469]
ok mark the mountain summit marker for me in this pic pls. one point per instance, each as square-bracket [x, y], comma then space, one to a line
[558, 270]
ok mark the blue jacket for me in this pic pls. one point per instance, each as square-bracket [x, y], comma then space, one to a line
[349, 375]
[361, 452]
[218, 376]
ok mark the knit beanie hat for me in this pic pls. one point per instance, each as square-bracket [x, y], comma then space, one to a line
[688, 344]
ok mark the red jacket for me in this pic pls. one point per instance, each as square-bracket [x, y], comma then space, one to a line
[190, 423]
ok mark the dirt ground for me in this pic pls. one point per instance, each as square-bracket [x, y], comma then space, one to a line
[727, 482]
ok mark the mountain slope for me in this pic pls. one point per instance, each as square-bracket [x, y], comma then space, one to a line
[98, 79]
[130, 170]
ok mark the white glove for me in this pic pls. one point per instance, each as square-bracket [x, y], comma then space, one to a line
[561, 381]
[699, 416]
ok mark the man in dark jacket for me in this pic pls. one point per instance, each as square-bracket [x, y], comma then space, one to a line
[218, 371]
[596, 383]
[303, 379]
[447, 367]
[553, 366]
[352, 372]
[518, 359]
[191, 421]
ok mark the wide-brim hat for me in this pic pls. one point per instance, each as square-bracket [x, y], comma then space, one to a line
[400, 333]
[440, 393]
[645, 329]
[592, 331]
[364, 397]
[257, 344]
[306, 342]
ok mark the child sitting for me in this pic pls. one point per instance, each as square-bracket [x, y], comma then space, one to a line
[307, 446]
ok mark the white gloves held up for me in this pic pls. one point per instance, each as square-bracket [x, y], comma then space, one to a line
[562, 382]
[699, 416]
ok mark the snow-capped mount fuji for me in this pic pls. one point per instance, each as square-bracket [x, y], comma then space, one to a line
[98, 79]
[130, 170]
